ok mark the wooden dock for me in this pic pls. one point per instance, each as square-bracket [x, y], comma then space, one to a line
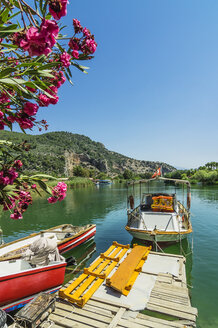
[169, 296]
[168, 304]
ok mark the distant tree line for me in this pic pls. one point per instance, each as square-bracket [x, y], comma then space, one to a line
[207, 174]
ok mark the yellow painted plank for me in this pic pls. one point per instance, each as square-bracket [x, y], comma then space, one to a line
[125, 276]
[81, 289]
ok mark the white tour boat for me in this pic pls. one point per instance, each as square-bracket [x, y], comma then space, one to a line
[159, 217]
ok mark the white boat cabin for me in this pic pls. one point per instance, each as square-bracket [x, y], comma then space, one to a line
[158, 211]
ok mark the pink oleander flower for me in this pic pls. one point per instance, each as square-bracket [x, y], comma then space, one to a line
[4, 98]
[74, 44]
[11, 119]
[12, 175]
[58, 192]
[89, 46]
[1, 115]
[77, 26]
[58, 8]
[18, 163]
[30, 108]
[65, 59]
[75, 54]
[52, 90]
[16, 215]
[2, 125]
[54, 100]
[39, 41]
[86, 32]
[33, 186]
[43, 100]
[25, 123]
[52, 200]
[31, 89]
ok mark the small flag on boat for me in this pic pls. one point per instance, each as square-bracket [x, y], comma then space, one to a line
[157, 173]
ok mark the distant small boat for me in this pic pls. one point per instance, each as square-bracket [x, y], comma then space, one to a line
[159, 217]
[41, 269]
[105, 181]
[66, 235]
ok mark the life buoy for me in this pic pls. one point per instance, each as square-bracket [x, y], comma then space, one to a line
[131, 202]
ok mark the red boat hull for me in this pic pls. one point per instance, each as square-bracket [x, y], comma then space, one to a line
[76, 241]
[20, 285]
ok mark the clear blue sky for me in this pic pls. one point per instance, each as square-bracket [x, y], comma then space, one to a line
[152, 89]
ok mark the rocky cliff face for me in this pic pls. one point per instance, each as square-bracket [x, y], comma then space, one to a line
[112, 168]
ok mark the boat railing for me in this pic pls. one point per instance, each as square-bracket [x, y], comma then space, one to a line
[135, 215]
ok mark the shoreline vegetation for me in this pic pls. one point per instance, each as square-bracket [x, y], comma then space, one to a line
[202, 175]
[83, 177]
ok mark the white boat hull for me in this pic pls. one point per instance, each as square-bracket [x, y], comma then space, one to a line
[148, 236]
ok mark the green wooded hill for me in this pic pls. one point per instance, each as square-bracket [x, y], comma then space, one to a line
[58, 152]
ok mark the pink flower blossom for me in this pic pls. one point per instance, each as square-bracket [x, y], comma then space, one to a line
[52, 200]
[30, 108]
[75, 54]
[86, 32]
[65, 59]
[54, 100]
[74, 44]
[1, 115]
[18, 163]
[43, 100]
[58, 192]
[16, 216]
[25, 123]
[33, 186]
[58, 8]
[39, 41]
[89, 46]
[77, 26]
[31, 89]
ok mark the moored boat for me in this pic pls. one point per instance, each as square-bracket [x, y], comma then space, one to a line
[159, 217]
[40, 269]
[67, 237]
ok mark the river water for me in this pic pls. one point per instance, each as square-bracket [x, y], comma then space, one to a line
[106, 207]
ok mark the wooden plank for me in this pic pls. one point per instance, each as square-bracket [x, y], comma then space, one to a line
[65, 322]
[172, 312]
[169, 298]
[92, 309]
[119, 280]
[182, 290]
[161, 321]
[171, 291]
[129, 324]
[99, 299]
[117, 318]
[172, 305]
[83, 313]
[147, 323]
[100, 305]
[79, 318]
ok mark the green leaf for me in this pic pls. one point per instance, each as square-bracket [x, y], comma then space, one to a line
[12, 81]
[44, 187]
[4, 15]
[7, 71]
[43, 176]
